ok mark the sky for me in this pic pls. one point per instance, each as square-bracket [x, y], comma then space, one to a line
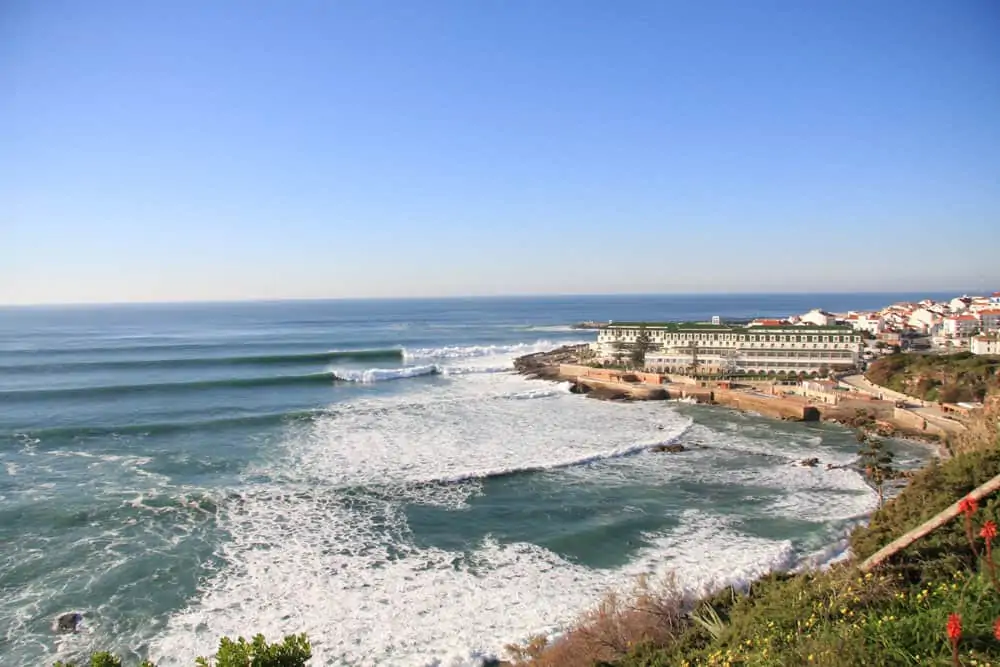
[224, 149]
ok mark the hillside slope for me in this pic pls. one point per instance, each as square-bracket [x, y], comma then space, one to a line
[947, 378]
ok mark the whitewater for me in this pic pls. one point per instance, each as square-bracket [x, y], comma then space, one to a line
[380, 480]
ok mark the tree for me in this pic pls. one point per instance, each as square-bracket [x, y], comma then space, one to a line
[876, 461]
[640, 347]
[824, 370]
[619, 354]
[693, 349]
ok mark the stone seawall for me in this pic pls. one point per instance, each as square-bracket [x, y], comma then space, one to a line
[611, 384]
[607, 383]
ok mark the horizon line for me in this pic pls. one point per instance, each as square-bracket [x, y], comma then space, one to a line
[545, 295]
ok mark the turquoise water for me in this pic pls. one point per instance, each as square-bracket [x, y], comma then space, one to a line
[372, 473]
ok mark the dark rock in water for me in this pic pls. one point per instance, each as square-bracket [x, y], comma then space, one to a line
[608, 394]
[674, 448]
[577, 388]
[68, 622]
[809, 463]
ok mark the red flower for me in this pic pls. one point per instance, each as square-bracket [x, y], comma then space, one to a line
[996, 629]
[989, 530]
[954, 627]
[968, 505]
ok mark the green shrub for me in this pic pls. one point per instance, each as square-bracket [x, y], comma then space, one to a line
[293, 651]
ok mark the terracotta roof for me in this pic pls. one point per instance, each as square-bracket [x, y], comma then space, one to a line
[990, 311]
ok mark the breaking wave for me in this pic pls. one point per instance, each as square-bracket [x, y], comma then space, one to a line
[467, 351]
[383, 374]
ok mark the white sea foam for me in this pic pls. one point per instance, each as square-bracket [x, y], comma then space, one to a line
[382, 374]
[325, 546]
[467, 351]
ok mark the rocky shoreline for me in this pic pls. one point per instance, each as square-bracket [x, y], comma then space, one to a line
[563, 365]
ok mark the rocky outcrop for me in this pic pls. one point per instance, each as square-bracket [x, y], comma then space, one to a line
[545, 365]
[607, 393]
[671, 448]
[68, 622]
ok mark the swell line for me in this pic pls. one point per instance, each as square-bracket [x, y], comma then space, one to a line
[162, 428]
[105, 391]
[388, 354]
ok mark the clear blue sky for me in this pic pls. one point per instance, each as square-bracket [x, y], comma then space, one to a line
[217, 149]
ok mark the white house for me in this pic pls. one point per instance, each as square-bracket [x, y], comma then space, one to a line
[960, 325]
[995, 298]
[959, 304]
[984, 345]
[873, 323]
[819, 318]
[922, 319]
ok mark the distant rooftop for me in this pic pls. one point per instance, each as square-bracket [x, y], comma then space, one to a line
[726, 328]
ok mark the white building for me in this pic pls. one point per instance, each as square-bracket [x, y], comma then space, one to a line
[959, 304]
[922, 319]
[819, 318]
[959, 326]
[706, 349]
[985, 345]
[989, 320]
[873, 324]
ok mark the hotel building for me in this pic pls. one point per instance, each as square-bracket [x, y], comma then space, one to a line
[711, 349]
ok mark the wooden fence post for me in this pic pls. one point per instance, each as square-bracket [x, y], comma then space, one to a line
[928, 526]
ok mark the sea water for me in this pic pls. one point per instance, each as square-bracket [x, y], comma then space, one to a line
[373, 474]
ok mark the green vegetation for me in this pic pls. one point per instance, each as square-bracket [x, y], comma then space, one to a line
[946, 378]
[293, 651]
[640, 347]
[876, 461]
[898, 615]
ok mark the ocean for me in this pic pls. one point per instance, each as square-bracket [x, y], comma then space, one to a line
[372, 473]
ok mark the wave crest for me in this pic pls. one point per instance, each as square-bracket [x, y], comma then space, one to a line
[468, 351]
[383, 374]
